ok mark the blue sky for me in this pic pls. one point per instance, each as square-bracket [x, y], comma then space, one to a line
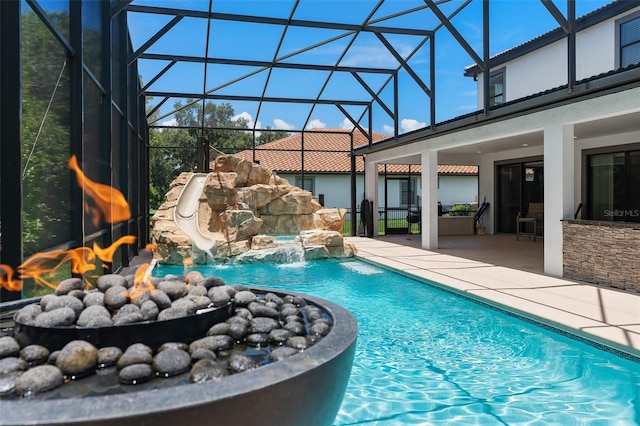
[512, 22]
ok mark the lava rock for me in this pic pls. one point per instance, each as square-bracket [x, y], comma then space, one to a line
[116, 297]
[139, 294]
[279, 336]
[172, 313]
[197, 290]
[11, 364]
[202, 353]
[238, 319]
[44, 300]
[65, 302]
[149, 310]
[27, 315]
[99, 321]
[134, 356]
[93, 298]
[135, 373]
[263, 325]
[243, 313]
[288, 310]
[219, 328]
[173, 345]
[313, 313]
[298, 342]
[38, 380]
[105, 282]
[295, 327]
[319, 328]
[173, 289]
[213, 343]
[161, 299]
[108, 356]
[295, 300]
[77, 358]
[238, 330]
[262, 310]
[219, 296]
[34, 354]
[171, 362]
[257, 339]
[239, 363]
[201, 302]
[8, 382]
[205, 370]
[9, 347]
[212, 282]
[66, 286]
[140, 347]
[78, 294]
[272, 297]
[56, 318]
[92, 312]
[128, 318]
[184, 304]
[243, 298]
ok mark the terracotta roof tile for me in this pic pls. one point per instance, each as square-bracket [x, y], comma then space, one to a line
[327, 151]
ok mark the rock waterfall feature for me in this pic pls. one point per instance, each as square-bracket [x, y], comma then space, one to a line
[239, 212]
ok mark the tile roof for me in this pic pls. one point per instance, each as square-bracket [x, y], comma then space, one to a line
[327, 151]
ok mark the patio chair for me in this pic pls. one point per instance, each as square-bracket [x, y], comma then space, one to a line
[534, 216]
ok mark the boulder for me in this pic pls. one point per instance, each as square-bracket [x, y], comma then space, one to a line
[321, 238]
[330, 219]
[220, 190]
[258, 175]
[239, 224]
[259, 242]
[237, 165]
[295, 202]
[286, 224]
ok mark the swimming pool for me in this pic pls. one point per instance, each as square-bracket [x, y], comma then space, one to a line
[427, 356]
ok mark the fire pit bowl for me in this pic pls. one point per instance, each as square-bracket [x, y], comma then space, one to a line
[303, 389]
[150, 333]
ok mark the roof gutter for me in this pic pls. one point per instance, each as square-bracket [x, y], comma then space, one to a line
[614, 82]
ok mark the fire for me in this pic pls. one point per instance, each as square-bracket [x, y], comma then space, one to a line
[110, 206]
[106, 254]
[141, 282]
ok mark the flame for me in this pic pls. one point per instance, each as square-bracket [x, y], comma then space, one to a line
[7, 281]
[110, 205]
[106, 254]
[82, 260]
[141, 282]
[110, 202]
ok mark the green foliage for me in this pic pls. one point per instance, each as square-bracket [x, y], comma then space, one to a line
[45, 135]
[460, 210]
[173, 151]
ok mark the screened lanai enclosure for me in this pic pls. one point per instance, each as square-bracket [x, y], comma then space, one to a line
[103, 103]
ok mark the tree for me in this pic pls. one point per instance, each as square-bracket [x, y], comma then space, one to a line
[270, 135]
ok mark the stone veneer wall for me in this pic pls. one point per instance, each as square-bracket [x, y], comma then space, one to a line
[605, 253]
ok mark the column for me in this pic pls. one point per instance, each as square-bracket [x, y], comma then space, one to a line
[429, 199]
[559, 184]
[371, 190]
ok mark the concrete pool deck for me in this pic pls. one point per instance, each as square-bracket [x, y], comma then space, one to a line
[604, 315]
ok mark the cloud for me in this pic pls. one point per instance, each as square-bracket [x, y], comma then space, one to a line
[316, 124]
[346, 124]
[172, 122]
[387, 129]
[282, 125]
[409, 124]
[247, 117]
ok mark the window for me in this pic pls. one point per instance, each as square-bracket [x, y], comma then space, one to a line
[496, 88]
[309, 183]
[613, 186]
[408, 192]
[629, 41]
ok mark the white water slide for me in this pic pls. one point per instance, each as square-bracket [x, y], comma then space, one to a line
[185, 213]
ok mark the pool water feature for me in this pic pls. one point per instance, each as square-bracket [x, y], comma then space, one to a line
[427, 356]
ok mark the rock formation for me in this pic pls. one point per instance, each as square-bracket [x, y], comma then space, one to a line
[244, 207]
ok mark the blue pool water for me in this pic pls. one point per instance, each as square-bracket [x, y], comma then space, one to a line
[426, 356]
